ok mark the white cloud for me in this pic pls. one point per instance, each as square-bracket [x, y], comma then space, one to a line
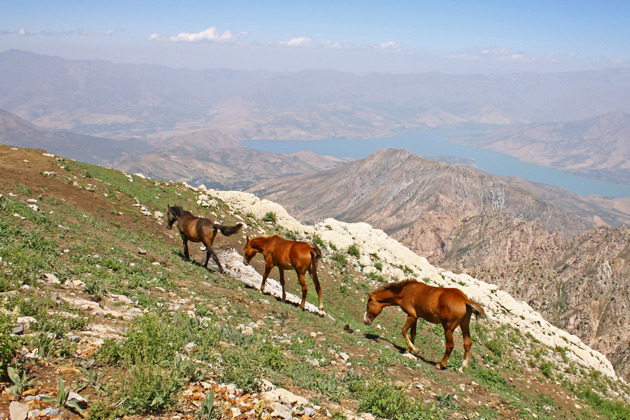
[334, 45]
[388, 46]
[495, 53]
[211, 34]
[22, 31]
[303, 41]
[114, 31]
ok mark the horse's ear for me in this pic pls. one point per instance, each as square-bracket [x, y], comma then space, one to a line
[247, 237]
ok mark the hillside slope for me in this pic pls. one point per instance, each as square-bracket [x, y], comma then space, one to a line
[95, 290]
[467, 220]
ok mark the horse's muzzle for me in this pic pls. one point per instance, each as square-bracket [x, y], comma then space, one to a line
[367, 320]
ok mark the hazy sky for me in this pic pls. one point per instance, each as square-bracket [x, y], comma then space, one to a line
[460, 36]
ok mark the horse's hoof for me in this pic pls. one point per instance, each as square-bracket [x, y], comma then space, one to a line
[321, 314]
[440, 367]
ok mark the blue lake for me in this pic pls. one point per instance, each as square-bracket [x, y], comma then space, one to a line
[435, 145]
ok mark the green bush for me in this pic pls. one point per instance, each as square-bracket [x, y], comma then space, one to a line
[270, 217]
[354, 251]
[339, 259]
[388, 401]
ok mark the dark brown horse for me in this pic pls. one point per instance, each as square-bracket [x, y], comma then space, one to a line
[297, 255]
[447, 306]
[198, 229]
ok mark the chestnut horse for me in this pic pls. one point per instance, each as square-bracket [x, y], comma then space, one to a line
[198, 229]
[286, 254]
[447, 306]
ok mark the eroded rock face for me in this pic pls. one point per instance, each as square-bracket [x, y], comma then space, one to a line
[581, 285]
[398, 261]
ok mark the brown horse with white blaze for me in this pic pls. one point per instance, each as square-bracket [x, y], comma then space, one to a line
[287, 254]
[447, 306]
[198, 229]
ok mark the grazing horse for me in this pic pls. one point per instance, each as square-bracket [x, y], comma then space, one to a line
[447, 306]
[198, 229]
[301, 256]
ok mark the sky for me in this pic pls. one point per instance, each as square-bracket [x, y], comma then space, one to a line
[451, 36]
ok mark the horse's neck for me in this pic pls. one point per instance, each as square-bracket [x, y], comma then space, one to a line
[390, 298]
[260, 243]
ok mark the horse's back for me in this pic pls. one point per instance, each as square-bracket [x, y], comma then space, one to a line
[197, 228]
[436, 303]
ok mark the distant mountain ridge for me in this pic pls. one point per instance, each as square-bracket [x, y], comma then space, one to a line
[14, 131]
[105, 99]
[600, 146]
[209, 158]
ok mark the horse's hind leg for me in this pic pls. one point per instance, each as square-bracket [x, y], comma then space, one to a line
[284, 290]
[214, 234]
[209, 252]
[304, 288]
[318, 289]
[465, 326]
[449, 344]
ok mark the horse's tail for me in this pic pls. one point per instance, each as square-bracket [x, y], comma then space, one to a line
[227, 230]
[316, 255]
[476, 308]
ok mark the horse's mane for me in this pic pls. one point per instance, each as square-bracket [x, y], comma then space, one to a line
[178, 211]
[396, 286]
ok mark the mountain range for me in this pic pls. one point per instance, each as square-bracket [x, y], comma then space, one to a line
[112, 100]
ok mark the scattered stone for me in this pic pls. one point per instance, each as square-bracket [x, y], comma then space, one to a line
[142, 251]
[121, 298]
[74, 284]
[281, 411]
[51, 278]
[26, 321]
[18, 411]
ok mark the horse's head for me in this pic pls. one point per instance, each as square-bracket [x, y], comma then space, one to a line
[171, 218]
[250, 252]
[372, 309]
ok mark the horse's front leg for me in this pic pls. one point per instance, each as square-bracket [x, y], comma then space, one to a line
[265, 275]
[185, 241]
[410, 323]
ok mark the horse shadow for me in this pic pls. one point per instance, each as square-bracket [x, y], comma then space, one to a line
[400, 349]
